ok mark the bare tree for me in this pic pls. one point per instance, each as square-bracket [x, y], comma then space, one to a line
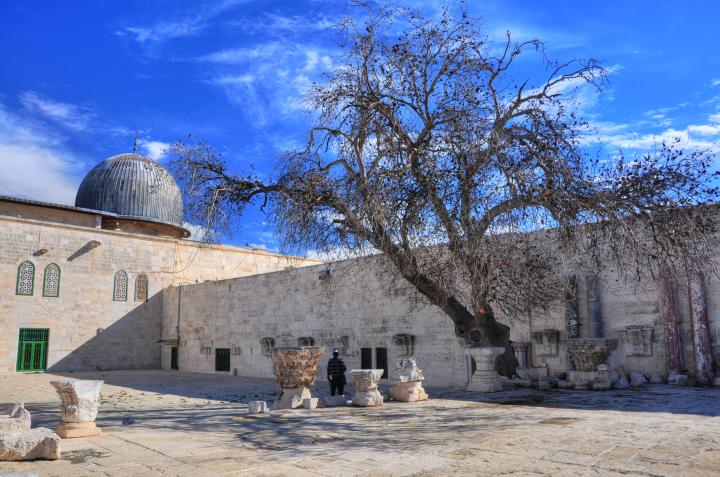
[426, 149]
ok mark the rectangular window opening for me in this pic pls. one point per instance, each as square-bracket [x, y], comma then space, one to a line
[366, 358]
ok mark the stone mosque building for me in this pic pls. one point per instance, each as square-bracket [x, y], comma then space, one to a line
[114, 283]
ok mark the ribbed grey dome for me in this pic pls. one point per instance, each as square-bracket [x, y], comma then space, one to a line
[134, 186]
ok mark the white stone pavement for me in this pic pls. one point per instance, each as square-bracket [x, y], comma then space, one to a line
[172, 423]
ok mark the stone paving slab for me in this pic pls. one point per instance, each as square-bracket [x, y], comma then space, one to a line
[169, 423]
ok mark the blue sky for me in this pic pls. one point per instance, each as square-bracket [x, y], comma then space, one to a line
[78, 78]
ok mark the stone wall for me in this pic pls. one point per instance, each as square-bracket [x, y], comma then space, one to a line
[351, 302]
[87, 329]
[347, 308]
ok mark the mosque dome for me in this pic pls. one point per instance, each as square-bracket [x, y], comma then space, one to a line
[132, 186]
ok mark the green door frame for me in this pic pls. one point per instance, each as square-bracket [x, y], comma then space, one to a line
[32, 350]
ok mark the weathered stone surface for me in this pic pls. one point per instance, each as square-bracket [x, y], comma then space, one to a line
[407, 382]
[291, 398]
[366, 383]
[701, 327]
[602, 381]
[15, 419]
[565, 384]
[532, 374]
[546, 342]
[39, 443]
[637, 340]
[543, 384]
[716, 383]
[588, 353]
[621, 383]
[677, 379]
[332, 401]
[520, 348]
[295, 370]
[80, 399]
[311, 403]
[656, 378]
[257, 407]
[408, 392]
[69, 430]
[637, 380]
[485, 379]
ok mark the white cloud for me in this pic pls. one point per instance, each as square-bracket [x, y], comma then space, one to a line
[34, 162]
[66, 115]
[155, 150]
[268, 79]
[193, 23]
[716, 82]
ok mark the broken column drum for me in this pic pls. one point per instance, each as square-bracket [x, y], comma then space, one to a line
[366, 387]
[407, 379]
[571, 309]
[79, 408]
[485, 378]
[295, 370]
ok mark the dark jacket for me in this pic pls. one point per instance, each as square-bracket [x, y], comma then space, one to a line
[335, 368]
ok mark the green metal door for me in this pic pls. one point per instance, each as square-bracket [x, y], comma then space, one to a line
[32, 350]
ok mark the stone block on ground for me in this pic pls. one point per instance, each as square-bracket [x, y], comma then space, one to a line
[332, 401]
[543, 384]
[677, 379]
[310, 403]
[716, 383]
[39, 443]
[408, 392]
[70, 430]
[257, 407]
[15, 419]
[565, 384]
[621, 383]
[291, 398]
[637, 380]
[656, 378]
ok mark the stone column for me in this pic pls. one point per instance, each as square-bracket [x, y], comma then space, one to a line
[594, 306]
[485, 379]
[571, 309]
[520, 348]
[673, 346]
[366, 385]
[407, 379]
[701, 329]
[79, 408]
[295, 370]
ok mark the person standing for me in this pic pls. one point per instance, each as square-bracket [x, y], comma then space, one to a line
[336, 373]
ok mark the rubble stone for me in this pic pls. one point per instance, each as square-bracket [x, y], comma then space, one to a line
[39, 443]
[15, 419]
[257, 407]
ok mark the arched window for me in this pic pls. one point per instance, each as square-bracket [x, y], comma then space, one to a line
[141, 287]
[51, 281]
[121, 286]
[25, 279]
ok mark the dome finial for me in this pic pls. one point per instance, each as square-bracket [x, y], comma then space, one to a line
[135, 142]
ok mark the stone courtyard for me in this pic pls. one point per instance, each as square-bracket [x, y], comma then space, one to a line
[172, 423]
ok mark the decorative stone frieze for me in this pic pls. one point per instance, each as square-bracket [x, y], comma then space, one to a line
[295, 370]
[546, 342]
[588, 353]
[485, 378]
[366, 387]
[407, 379]
[637, 340]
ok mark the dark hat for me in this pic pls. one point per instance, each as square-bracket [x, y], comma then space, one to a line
[336, 351]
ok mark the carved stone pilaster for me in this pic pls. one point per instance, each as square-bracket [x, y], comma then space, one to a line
[637, 340]
[520, 348]
[546, 342]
